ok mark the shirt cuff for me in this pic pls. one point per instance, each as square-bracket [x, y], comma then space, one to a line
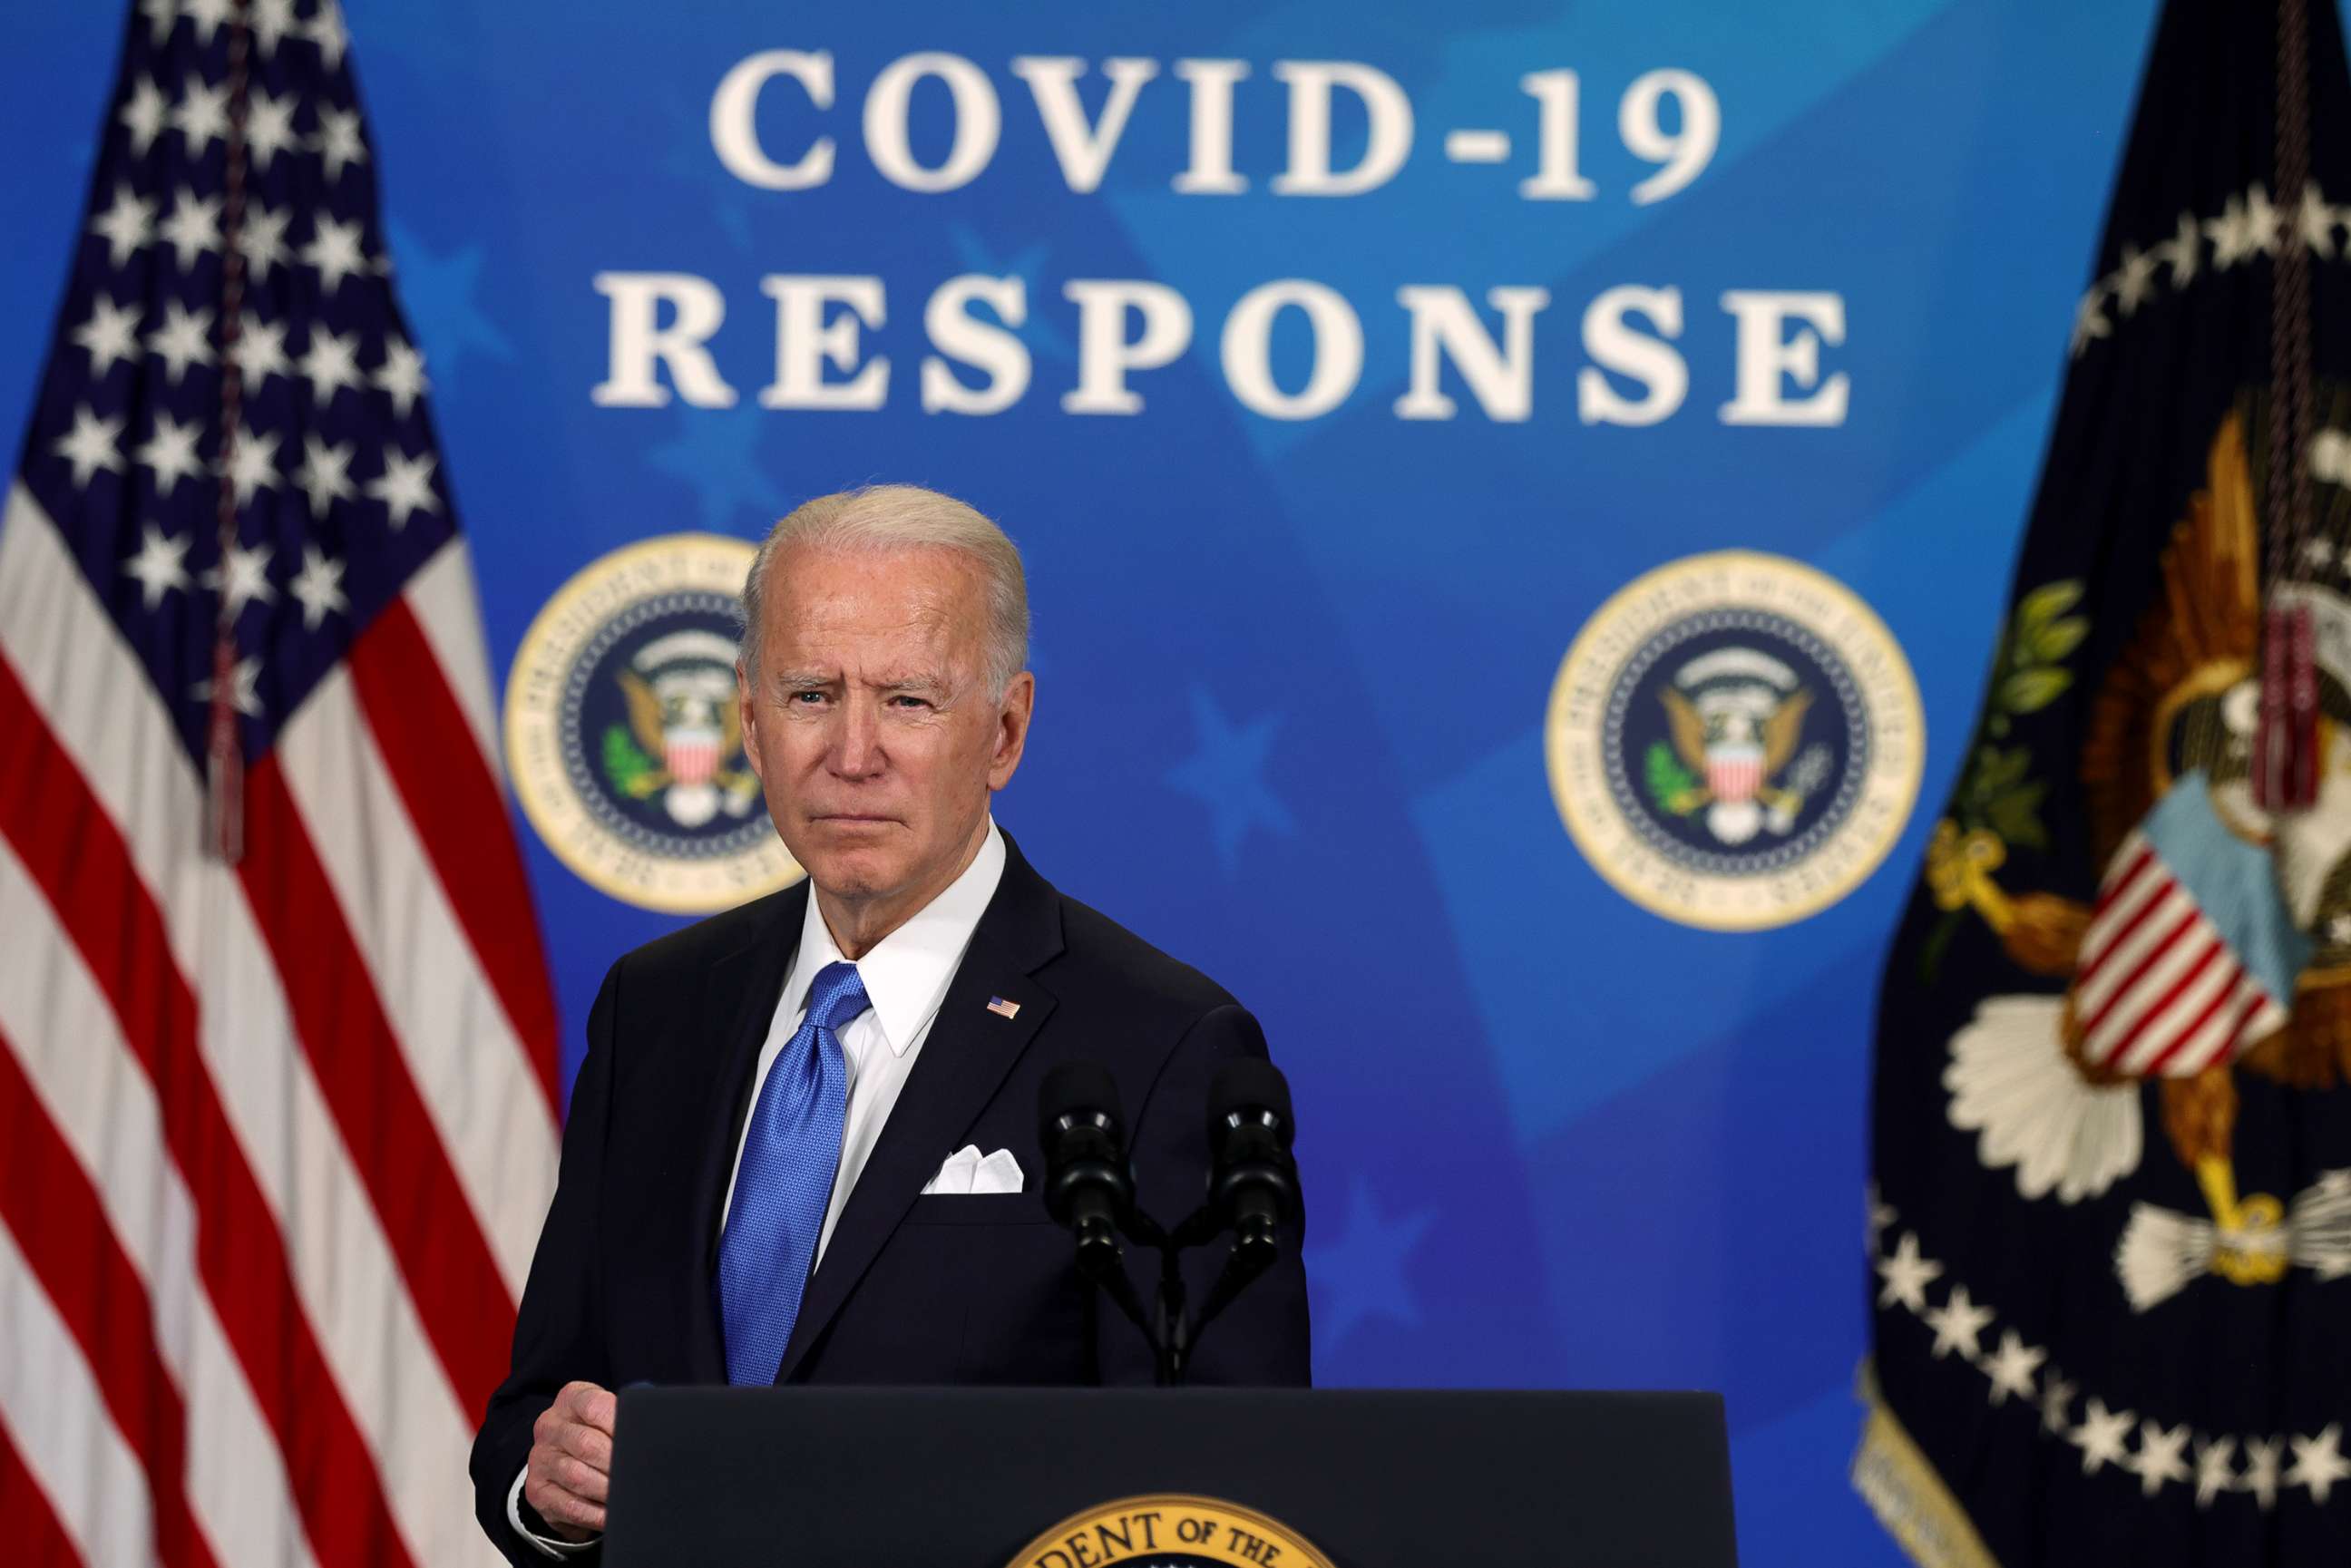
[547, 1544]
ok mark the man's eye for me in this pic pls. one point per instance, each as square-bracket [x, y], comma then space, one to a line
[807, 699]
[911, 702]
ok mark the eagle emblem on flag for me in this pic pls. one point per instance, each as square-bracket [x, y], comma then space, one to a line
[684, 733]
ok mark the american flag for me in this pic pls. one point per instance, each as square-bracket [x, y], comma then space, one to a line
[277, 1127]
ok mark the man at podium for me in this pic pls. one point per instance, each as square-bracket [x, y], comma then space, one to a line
[802, 1147]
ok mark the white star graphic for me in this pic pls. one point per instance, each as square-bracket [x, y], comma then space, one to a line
[201, 117]
[252, 465]
[1907, 1275]
[400, 377]
[2159, 1457]
[2261, 1477]
[327, 31]
[2181, 251]
[143, 116]
[318, 587]
[2102, 1437]
[93, 444]
[2089, 320]
[160, 15]
[339, 140]
[1956, 1324]
[2216, 1469]
[2315, 222]
[405, 486]
[260, 351]
[2134, 281]
[2262, 217]
[160, 566]
[208, 15]
[2234, 237]
[192, 228]
[331, 364]
[244, 688]
[2319, 1463]
[2012, 1366]
[2057, 1403]
[261, 240]
[126, 226]
[171, 452]
[182, 339]
[243, 579]
[271, 20]
[111, 333]
[325, 474]
[269, 127]
[336, 252]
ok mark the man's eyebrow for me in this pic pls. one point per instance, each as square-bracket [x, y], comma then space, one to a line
[805, 679]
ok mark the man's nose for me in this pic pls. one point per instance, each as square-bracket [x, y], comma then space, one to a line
[857, 740]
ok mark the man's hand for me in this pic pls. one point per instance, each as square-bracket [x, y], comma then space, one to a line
[570, 1463]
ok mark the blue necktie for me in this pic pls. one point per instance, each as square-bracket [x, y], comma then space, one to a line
[785, 1181]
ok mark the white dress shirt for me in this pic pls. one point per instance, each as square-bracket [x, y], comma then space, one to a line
[905, 975]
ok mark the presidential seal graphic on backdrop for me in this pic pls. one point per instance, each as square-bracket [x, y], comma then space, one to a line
[623, 734]
[1169, 1530]
[1734, 741]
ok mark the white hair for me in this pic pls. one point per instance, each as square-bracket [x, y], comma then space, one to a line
[881, 517]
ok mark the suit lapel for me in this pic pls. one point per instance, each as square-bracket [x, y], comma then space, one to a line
[738, 1005]
[964, 1061]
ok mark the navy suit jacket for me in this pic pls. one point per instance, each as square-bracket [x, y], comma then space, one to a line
[911, 1289]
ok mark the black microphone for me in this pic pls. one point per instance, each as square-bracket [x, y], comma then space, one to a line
[1252, 1181]
[1087, 1184]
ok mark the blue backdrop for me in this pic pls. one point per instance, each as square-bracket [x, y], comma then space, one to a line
[1293, 672]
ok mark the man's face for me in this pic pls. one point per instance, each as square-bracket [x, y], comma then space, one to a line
[871, 724]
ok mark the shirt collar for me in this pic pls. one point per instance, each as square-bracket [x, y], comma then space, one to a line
[906, 973]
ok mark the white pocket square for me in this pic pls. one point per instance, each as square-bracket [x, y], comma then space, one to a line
[965, 1172]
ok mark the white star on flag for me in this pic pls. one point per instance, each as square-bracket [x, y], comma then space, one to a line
[2134, 281]
[325, 475]
[171, 452]
[406, 486]
[185, 338]
[2011, 1367]
[110, 334]
[2216, 1469]
[143, 116]
[400, 377]
[2089, 320]
[193, 228]
[271, 21]
[2261, 1463]
[2159, 1457]
[201, 117]
[2262, 217]
[253, 466]
[2057, 1403]
[126, 226]
[244, 688]
[336, 252]
[2102, 1437]
[318, 587]
[2315, 221]
[160, 566]
[260, 352]
[327, 31]
[2319, 1463]
[1956, 1324]
[160, 15]
[208, 15]
[331, 364]
[261, 240]
[93, 444]
[243, 579]
[269, 127]
[338, 142]
[2182, 250]
[1907, 1275]
[2235, 235]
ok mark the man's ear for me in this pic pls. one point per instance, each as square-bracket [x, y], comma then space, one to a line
[1013, 714]
[750, 711]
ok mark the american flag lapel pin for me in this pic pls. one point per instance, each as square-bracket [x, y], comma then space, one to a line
[1003, 1009]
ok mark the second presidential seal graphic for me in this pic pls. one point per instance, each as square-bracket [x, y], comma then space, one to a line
[1734, 740]
[623, 737]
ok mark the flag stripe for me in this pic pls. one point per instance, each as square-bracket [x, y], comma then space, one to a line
[2159, 982]
[471, 1071]
[2206, 1031]
[70, 848]
[105, 716]
[2172, 1015]
[51, 1406]
[2150, 932]
[460, 817]
[36, 1539]
[61, 1231]
[357, 1062]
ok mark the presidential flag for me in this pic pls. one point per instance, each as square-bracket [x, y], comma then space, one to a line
[277, 1057]
[2111, 1221]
